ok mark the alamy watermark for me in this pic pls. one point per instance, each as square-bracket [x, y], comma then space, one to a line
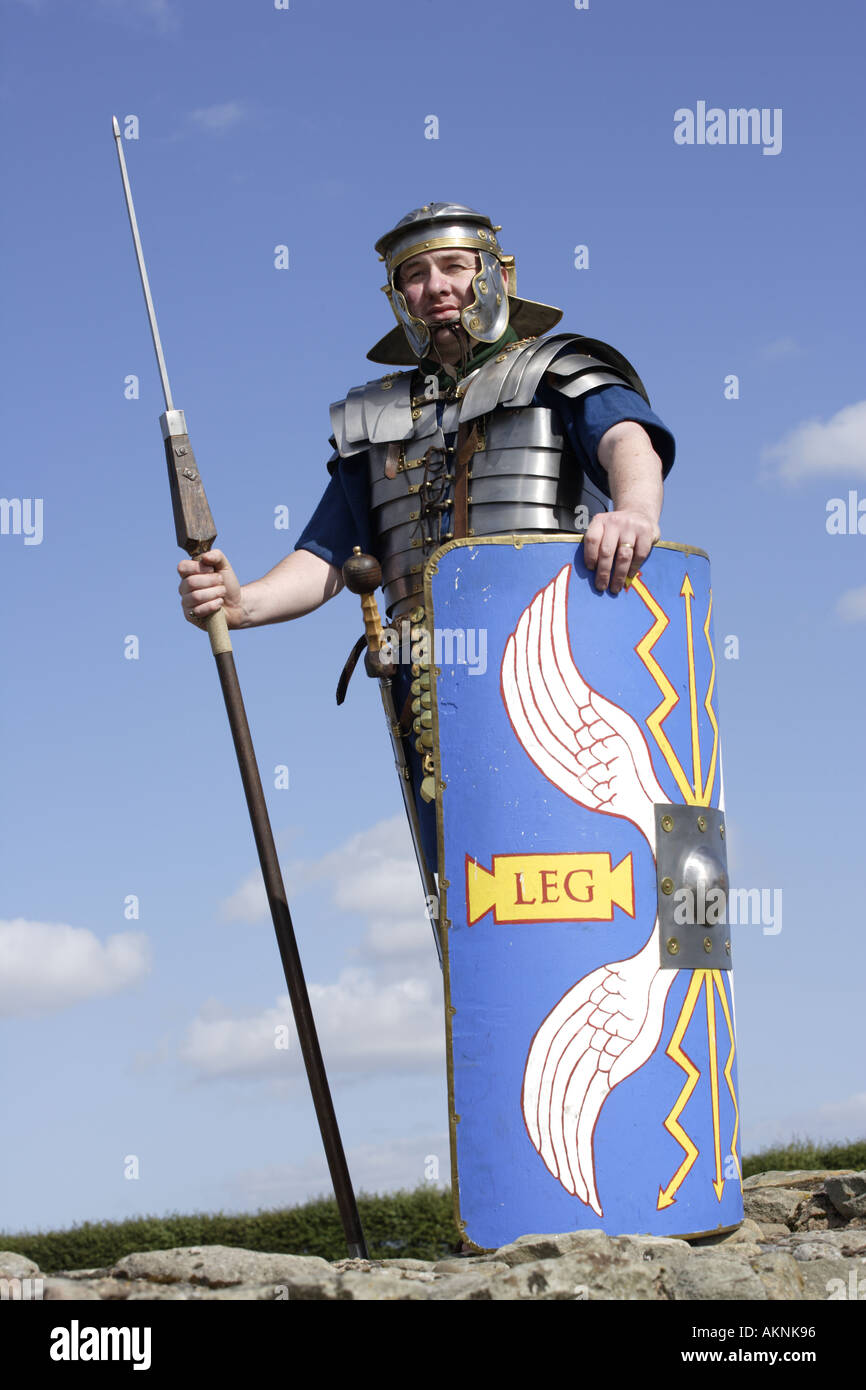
[22, 516]
[846, 518]
[854, 1288]
[445, 646]
[77, 1343]
[21, 1290]
[738, 125]
[738, 907]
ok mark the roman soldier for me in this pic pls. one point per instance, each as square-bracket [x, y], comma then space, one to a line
[491, 424]
[567, 807]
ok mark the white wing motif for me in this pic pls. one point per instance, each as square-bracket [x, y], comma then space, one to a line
[610, 1022]
[600, 1032]
[588, 747]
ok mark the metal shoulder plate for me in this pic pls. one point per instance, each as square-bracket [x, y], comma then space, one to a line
[384, 411]
[377, 413]
[592, 356]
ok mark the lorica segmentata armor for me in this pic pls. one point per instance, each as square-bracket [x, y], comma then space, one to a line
[522, 475]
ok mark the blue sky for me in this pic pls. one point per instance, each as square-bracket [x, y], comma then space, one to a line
[152, 1036]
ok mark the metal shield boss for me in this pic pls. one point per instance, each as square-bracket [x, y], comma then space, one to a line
[583, 878]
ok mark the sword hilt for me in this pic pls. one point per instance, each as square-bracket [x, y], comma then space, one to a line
[362, 575]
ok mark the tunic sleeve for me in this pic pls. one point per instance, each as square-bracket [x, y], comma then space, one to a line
[342, 519]
[588, 417]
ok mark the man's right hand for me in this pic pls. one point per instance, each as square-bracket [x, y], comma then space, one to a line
[210, 583]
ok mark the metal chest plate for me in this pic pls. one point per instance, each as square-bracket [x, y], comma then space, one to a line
[521, 479]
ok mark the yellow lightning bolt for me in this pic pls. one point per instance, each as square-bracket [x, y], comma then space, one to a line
[669, 696]
[688, 593]
[717, 977]
[706, 796]
[666, 1195]
[710, 996]
[697, 793]
[700, 793]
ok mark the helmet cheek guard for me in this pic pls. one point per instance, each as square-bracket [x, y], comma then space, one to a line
[416, 330]
[486, 318]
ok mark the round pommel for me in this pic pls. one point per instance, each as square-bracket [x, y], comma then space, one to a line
[362, 573]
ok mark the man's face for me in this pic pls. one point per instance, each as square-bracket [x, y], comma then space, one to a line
[437, 285]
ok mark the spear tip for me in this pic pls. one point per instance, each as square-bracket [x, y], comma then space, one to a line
[115, 127]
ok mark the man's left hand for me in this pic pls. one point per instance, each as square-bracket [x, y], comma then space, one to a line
[616, 544]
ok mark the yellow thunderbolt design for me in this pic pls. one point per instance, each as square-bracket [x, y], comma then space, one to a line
[688, 593]
[710, 996]
[708, 706]
[709, 981]
[695, 792]
[667, 1195]
[669, 696]
[720, 986]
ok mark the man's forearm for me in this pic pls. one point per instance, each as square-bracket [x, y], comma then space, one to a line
[634, 470]
[300, 583]
[616, 543]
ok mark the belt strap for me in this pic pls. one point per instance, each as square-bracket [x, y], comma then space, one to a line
[467, 443]
[351, 662]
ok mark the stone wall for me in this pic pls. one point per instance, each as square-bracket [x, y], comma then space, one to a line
[804, 1238]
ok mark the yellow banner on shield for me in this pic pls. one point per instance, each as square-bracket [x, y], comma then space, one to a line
[549, 888]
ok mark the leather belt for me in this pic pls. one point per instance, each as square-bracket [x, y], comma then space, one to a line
[467, 443]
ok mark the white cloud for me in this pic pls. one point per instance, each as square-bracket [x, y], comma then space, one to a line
[383, 1014]
[365, 1025]
[834, 1122]
[160, 13]
[845, 1118]
[373, 873]
[219, 118]
[249, 902]
[385, 1167]
[817, 448]
[220, 1043]
[408, 936]
[851, 606]
[46, 966]
[779, 348]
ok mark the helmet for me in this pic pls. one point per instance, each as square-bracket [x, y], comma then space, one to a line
[437, 225]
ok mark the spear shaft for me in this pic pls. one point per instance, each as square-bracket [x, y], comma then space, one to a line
[195, 534]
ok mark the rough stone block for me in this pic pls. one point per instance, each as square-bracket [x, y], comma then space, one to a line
[777, 1204]
[13, 1266]
[218, 1266]
[848, 1194]
[527, 1249]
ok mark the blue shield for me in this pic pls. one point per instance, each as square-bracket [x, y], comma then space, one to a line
[592, 1083]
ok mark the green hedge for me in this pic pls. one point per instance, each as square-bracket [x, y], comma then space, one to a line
[418, 1224]
[804, 1153]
